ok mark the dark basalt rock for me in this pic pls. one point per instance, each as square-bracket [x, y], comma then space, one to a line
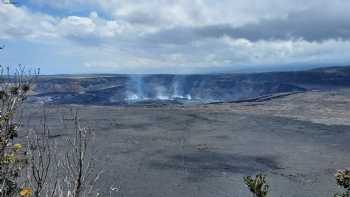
[145, 89]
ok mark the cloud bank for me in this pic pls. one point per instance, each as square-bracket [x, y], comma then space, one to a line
[175, 36]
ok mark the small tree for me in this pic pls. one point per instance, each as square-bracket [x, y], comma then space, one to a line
[13, 91]
[43, 168]
[257, 185]
[40, 156]
[73, 176]
[80, 173]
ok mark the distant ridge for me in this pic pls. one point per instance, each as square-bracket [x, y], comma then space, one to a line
[116, 89]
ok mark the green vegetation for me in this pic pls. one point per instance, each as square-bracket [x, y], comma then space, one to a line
[13, 91]
[259, 188]
[31, 167]
[257, 185]
[343, 180]
[35, 170]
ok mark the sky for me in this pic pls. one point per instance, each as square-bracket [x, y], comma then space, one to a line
[174, 36]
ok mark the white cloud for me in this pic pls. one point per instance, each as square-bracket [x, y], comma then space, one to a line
[77, 25]
[173, 35]
[218, 54]
[288, 51]
[20, 22]
[157, 14]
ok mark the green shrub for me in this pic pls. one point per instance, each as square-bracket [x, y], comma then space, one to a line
[257, 185]
[13, 91]
[343, 180]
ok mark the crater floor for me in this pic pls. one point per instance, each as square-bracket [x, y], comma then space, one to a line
[205, 150]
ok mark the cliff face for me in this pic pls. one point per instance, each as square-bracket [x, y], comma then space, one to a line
[118, 89]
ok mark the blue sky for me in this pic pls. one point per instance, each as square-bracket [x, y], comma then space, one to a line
[174, 36]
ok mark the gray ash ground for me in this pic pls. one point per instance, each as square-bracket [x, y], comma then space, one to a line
[204, 150]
